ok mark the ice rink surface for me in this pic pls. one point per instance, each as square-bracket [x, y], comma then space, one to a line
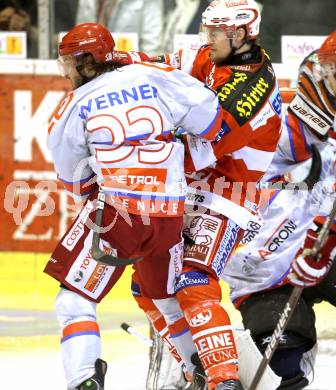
[29, 335]
[41, 369]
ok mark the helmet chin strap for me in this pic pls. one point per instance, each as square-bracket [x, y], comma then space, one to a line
[233, 50]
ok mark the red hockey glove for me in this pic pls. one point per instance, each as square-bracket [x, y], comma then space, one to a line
[129, 57]
[306, 271]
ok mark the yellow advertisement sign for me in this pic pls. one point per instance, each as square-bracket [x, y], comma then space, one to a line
[13, 44]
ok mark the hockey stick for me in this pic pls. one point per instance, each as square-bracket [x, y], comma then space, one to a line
[291, 304]
[130, 330]
[97, 253]
[309, 182]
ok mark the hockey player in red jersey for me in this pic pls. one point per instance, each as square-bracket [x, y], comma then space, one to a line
[223, 198]
[277, 253]
[113, 131]
[242, 75]
[265, 256]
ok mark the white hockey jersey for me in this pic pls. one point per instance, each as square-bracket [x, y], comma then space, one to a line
[264, 256]
[270, 245]
[116, 131]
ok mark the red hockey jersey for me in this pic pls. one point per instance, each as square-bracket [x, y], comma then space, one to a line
[248, 93]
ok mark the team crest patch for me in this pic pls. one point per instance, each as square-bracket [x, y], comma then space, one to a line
[202, 229]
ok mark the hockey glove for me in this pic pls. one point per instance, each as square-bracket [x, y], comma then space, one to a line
[307, 271]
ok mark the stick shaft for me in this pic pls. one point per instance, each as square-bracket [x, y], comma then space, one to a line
[285, 317]
[291, 304]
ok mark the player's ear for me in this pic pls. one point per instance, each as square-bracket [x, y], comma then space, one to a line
[241, 34]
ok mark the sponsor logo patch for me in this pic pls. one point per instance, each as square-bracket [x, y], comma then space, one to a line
[216, 341]
[77, 230]
[196, 198]
[225, 129]
[307, 115]
[175, 266]
[250, 101]
[216, 347]
[225, 91]
[202, 230]
[78, 276]
[245, 93]
[200, 318]
[96, 277]
[190, 279]
[235, 3]
[262, 117]
[86, 274]
[227, 244]
[250, 232]
[277, 104]
[137, 179]
[281, 236]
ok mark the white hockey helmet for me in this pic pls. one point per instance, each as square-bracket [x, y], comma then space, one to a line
[233, 14]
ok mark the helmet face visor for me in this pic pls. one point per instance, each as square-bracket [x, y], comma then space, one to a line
[211, 34]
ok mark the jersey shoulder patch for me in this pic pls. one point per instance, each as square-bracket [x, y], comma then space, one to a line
[246, 92]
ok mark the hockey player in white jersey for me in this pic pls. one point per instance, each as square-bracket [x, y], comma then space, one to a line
[114, 131]
[270, 256]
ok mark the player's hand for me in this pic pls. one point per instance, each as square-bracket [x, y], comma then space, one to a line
[307, 271]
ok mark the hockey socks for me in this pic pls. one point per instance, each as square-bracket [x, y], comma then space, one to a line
[209, 325]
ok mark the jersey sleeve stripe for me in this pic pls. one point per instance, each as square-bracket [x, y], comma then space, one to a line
[81, 181]
[301, 126]
[81, 187]
[80, 328]
[273, 196]
[115, 192]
